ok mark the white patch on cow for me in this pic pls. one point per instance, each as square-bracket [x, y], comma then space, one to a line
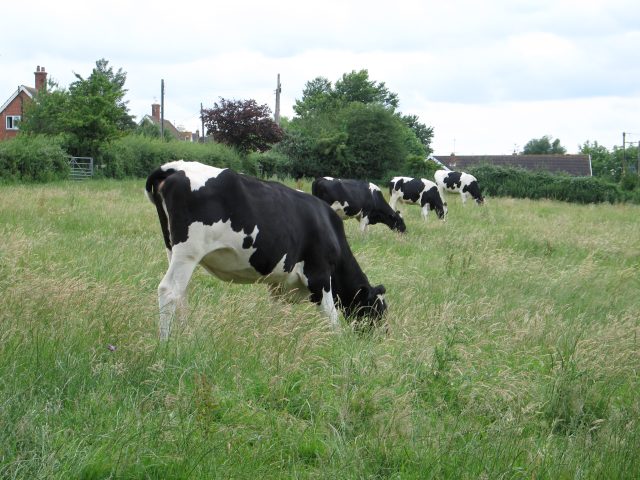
[328, 178]
[339, 208]
[373, 187]
[197, 173]
[219, 250]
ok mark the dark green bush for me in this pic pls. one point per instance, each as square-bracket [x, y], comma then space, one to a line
[137, 156]
[36, 158]
[270, 164]
[520, 183]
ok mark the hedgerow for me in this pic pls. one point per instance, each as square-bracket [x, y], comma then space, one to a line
[33, 158]
[137, 156]
[520, 183]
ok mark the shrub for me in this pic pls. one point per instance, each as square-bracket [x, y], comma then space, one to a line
[137, 155]
[271, 164]
[520, 183]
[36, 158]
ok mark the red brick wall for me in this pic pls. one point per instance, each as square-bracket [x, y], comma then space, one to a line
[14, 108]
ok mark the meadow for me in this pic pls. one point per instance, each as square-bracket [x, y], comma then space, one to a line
[512, 350]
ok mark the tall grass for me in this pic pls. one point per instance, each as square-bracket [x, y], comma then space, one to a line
[512, 351]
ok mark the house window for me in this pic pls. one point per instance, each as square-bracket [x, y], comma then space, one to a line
[12, 122]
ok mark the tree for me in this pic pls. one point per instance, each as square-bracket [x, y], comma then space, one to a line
[242, 124]
[92, 112]
[152, 130]
[352, 129]
[317, 96]
[423, 133]
[356, 87]
[543, 146]
[603, 163]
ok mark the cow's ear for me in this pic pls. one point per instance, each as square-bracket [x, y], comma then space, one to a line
[380, 290]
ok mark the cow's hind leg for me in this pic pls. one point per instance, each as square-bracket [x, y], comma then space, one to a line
[172, 291]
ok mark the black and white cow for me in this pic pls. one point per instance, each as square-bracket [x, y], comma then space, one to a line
[245, 230]
[464, 183]
[418, 191]
[357, 199]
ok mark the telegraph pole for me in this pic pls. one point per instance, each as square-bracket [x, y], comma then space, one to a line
[162, 109]
[202, 119]
[276, 116]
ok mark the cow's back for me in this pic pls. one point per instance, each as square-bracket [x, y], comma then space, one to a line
[272, 222]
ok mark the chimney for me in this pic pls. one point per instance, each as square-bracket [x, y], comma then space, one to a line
[41, 78]
[155, 112]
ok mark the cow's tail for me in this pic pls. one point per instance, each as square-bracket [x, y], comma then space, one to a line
[314, 187]
[153, 182]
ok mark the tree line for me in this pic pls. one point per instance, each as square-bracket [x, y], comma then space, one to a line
[348, 128]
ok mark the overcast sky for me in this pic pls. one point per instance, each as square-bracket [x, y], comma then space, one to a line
[487, 76]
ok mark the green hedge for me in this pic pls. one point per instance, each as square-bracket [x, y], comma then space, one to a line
[137, 156]
[520, 183]
[34, 158]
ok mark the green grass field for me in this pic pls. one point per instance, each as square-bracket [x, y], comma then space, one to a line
[513, 350]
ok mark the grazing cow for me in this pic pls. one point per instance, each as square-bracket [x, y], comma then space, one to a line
[245, 230]
[357, 199]
[417, 191]
[461, 182]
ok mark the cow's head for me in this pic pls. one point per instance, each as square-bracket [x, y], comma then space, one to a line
[369, 303]
[397, 222]
[474, 190]
[391, 219]
[440, 207]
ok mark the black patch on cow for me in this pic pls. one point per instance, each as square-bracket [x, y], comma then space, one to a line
[452, 180]
[247, 242]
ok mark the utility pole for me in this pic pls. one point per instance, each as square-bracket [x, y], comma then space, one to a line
[202, 119]
[276, 116]
[162, 109]
[638, 165]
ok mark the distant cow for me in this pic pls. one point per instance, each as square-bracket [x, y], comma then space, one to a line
[357, 199]
[418, 191]
[245, 230]
[461, 182]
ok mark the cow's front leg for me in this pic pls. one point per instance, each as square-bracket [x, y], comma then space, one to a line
[172, 291]
[393, 201]
[425, 211]
[364, 222]
[322, 295]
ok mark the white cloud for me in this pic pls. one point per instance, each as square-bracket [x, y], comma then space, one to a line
[490, 74]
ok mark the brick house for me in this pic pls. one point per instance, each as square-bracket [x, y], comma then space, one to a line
[12, 110]
[575, 165]
[154, 118]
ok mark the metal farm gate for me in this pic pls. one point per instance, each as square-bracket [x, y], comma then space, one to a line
[81, 168]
